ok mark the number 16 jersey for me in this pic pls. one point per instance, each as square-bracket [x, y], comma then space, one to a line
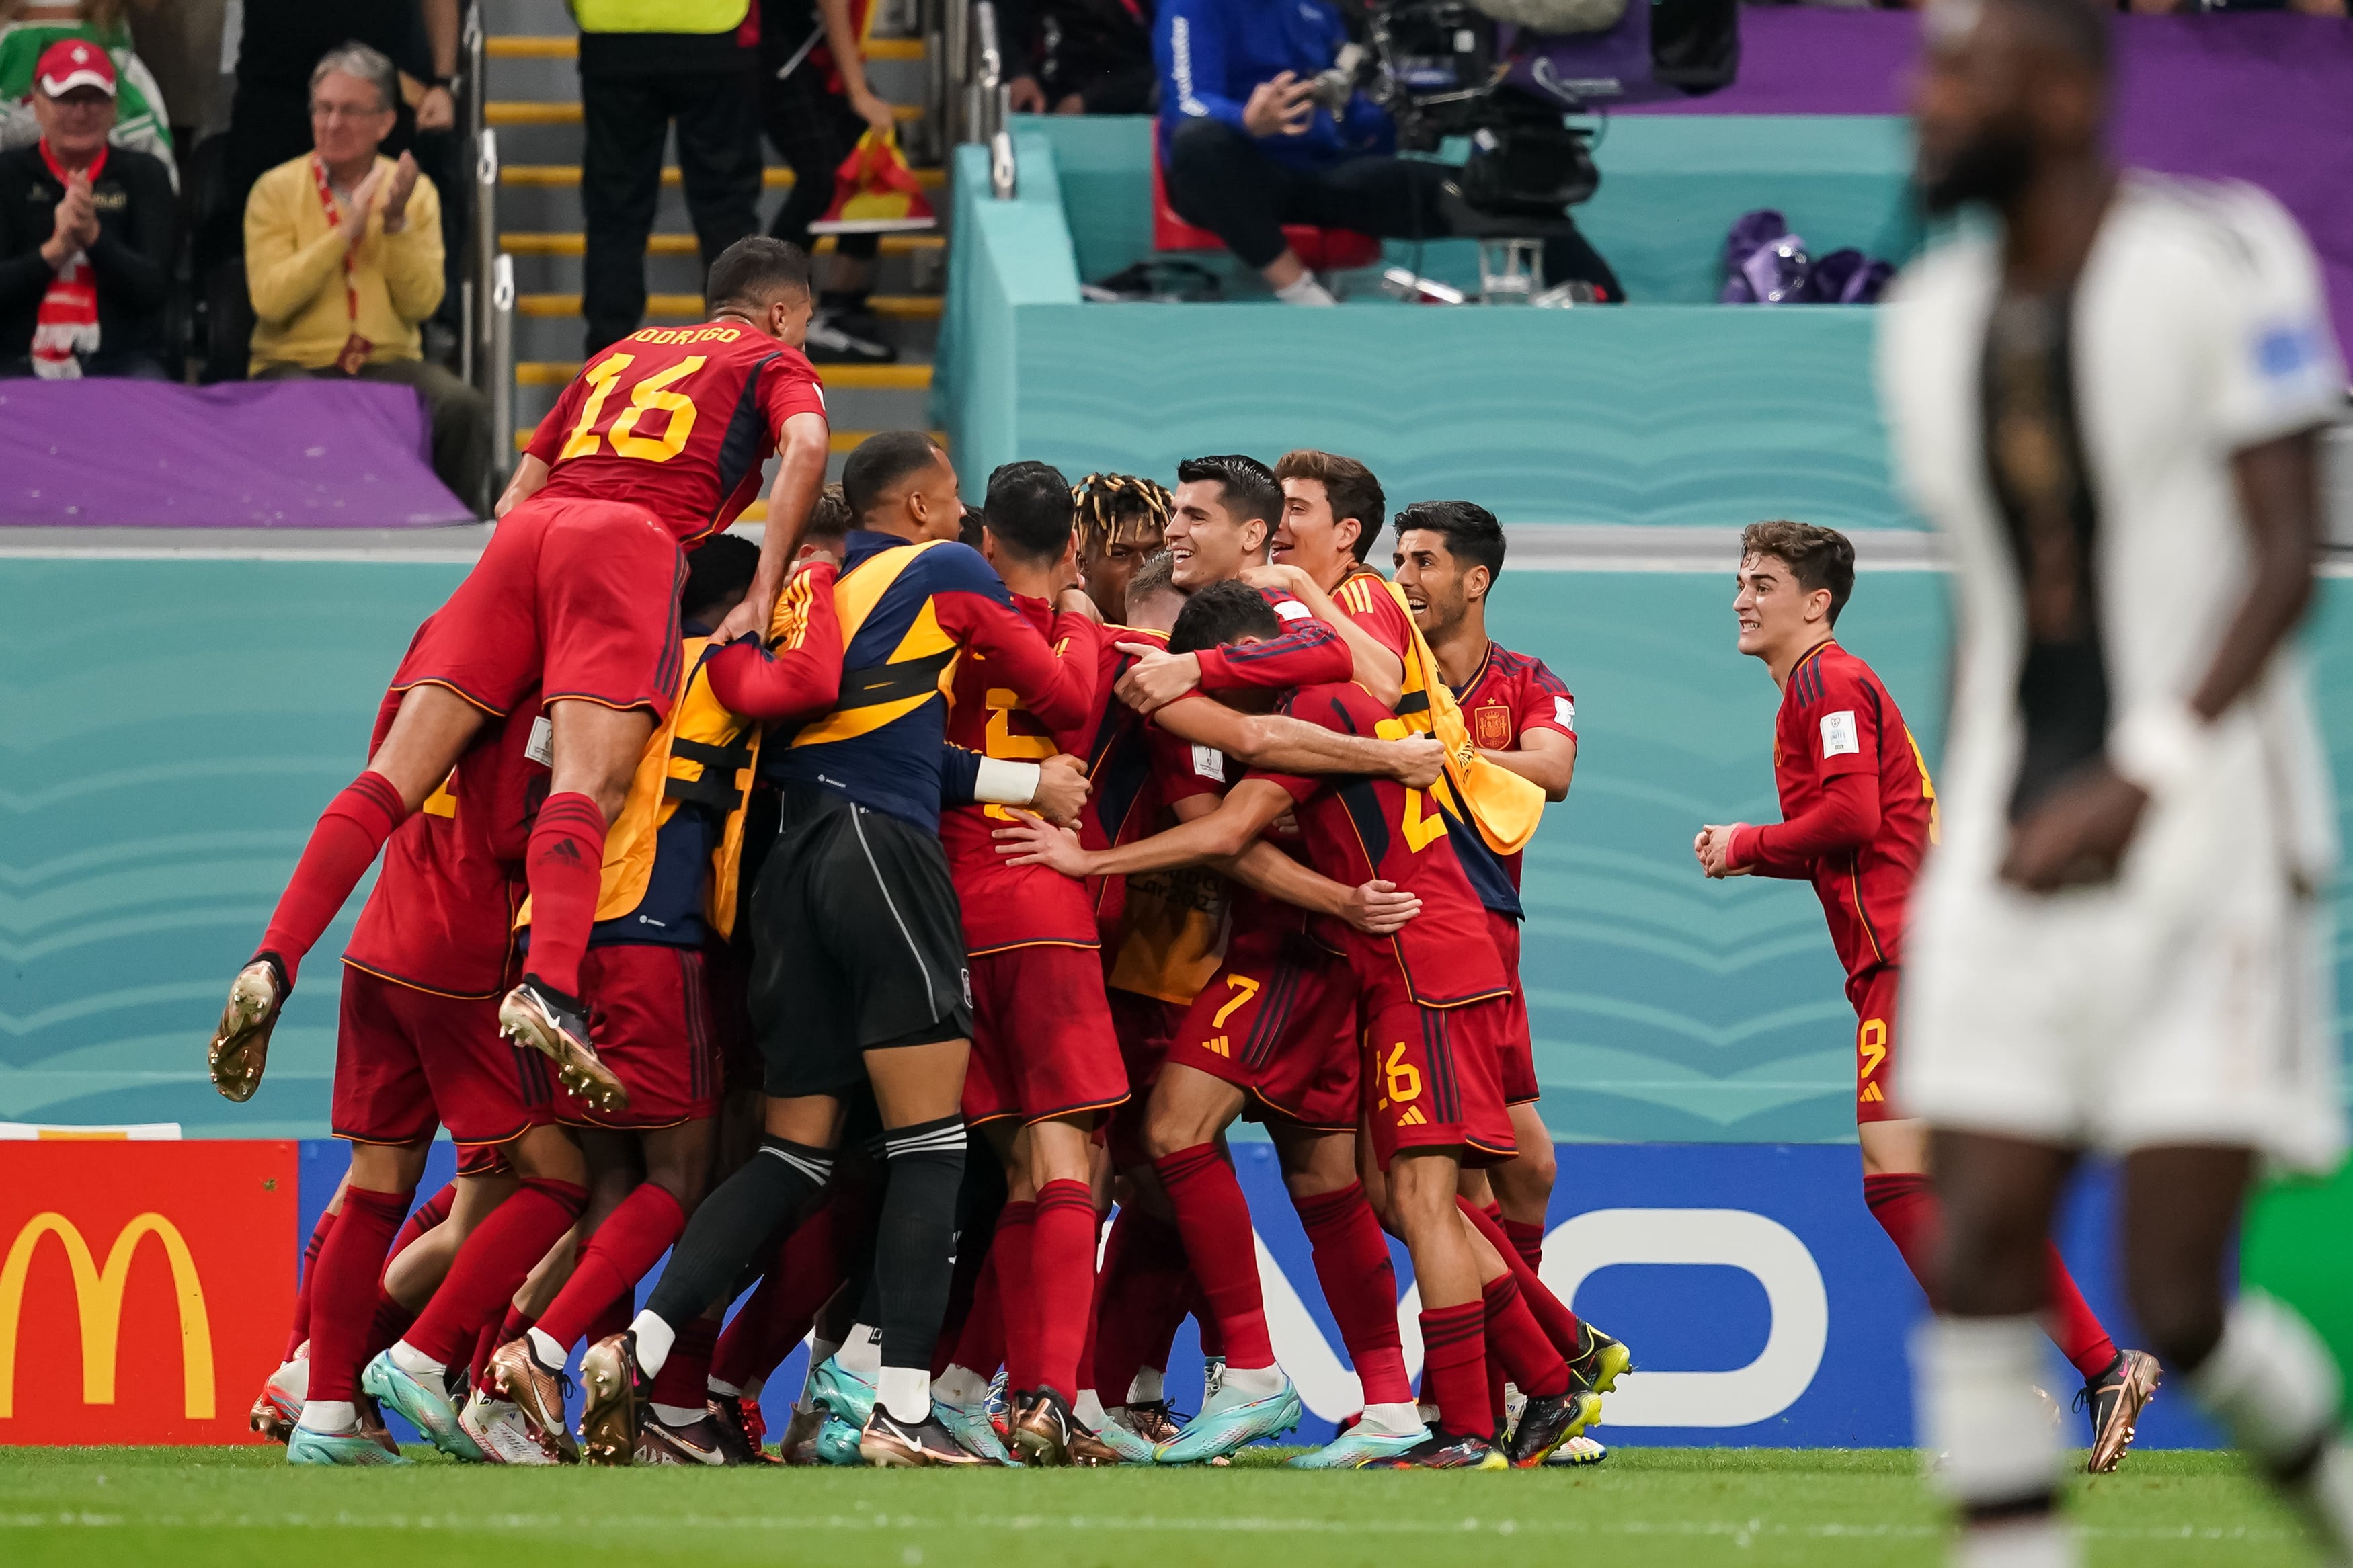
[676, 420]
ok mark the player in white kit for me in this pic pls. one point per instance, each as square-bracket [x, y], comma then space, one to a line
[2109, 402]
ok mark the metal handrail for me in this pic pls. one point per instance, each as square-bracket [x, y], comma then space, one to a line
[500, 358]
[471, 90]
[981, 100]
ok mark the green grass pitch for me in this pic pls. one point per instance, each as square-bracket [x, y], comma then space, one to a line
[1644, 1506]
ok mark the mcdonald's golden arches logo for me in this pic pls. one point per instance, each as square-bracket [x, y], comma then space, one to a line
[98, 1296]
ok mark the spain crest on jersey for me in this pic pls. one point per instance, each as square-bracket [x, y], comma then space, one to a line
[1492, 727]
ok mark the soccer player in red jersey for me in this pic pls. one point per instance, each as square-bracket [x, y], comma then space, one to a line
[1431, 1005]
[655, 447]
[418, 1048]
[1449, 554]
[1858, 812]
[1122, 522]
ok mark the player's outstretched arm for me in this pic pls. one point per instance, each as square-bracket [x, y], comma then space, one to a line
[802, 676]
[1309, 654]
[1374, 667]
[802, 447]
[1058, 692]
[1375, 908]
[1217, 835]
[1278, 744]
[1546, 758]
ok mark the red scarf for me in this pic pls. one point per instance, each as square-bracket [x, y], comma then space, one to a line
[65, 329]
[356, 347]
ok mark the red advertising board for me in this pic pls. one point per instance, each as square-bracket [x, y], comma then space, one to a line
[144, 1288]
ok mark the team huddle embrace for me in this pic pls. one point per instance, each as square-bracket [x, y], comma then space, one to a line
[866, 918]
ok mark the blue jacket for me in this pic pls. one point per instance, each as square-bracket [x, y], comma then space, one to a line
[1210, 53]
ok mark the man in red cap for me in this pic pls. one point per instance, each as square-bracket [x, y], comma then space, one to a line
[85, 233]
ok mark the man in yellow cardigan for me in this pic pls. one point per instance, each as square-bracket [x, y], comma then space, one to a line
[343, 258]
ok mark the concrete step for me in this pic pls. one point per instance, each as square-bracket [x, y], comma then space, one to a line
[566, 176]
[506, 113]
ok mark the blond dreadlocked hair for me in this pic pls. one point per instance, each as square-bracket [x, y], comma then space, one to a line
[1103, 499]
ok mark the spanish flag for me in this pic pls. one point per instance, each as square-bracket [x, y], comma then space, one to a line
[1503, 806]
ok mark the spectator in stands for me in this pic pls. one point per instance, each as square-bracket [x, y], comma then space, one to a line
[695, 68]
[343, 249]
[1245, 147]
[28, 28]
[1080, 56]
[815, 104]
[85, 233]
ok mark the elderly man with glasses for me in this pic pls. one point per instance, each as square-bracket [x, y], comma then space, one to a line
[343, 260]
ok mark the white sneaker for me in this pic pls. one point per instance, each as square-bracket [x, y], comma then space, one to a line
[499, 1429]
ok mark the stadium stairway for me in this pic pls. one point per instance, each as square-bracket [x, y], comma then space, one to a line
[534, 104]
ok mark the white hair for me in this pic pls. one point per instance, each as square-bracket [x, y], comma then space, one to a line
[355, 59]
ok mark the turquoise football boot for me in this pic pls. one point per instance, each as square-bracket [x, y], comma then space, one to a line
[843, 1391]
[1230, 1419]
[1132, 1447]
[836, 1442]
[973, 1432]
[354, 1447]
[427, 1409]
[1356, 1447]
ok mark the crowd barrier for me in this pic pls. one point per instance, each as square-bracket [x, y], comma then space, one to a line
[145, 1287]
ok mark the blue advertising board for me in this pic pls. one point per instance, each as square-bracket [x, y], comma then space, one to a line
[1764, 1306]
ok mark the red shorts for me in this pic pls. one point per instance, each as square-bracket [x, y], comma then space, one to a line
[1431, 1079]
[1517, 1060]
[652, 1025]
[1144, 1026]
[482, 1160]
[1279, 1023]
[1042, 1041]
[576, 597]
[1875, 1046]
[406, 1058]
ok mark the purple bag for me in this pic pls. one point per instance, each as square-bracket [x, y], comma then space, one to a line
[1763, 263]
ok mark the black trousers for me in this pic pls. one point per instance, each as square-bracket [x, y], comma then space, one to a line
[1219, 179]
[813, 131]
[620, 179]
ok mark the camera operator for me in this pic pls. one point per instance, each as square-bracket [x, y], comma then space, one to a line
[1246, 145]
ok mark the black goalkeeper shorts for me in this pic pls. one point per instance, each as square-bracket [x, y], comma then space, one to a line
[857, 945]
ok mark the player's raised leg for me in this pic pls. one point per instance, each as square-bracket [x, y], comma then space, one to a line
[428, 731]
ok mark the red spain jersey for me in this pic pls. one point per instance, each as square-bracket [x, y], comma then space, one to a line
[1365, 594]
[1836, 718]
[1512, 694]
[1355, 828]
[676, 420]
[441, 915]
[1018, 906]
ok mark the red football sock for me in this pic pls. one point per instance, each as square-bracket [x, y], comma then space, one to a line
[1216, 1223]
[492, 1264]
[1205, 1327]
[2070, 1321]
[1529, 1357]
[515, 1324]
[1905, 1207]
[1454, 1368]
[1140, 1299]
[1551, 1313]
[1352, 1264]
[1527, 1240]
[980, 1346]
[1017, 1301]
[1061, 1283]
[808, 1269]
[341, 848]
[300, 1331]
[685, 1375]
[614, 1320]
[429, 1214]
[565, 865]
[391, 1321]
[343, 1305]
[630, 1241]
[485, 1342]
[1496, 1378]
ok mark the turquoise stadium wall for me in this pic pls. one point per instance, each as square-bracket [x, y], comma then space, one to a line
[156, 784]
[1681, 412]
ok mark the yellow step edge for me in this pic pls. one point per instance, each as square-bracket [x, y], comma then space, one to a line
[514, 47]
[689, 306]
[569, 174]
[509, 112]
[912, 377]
[683, 244]
[841, 441]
